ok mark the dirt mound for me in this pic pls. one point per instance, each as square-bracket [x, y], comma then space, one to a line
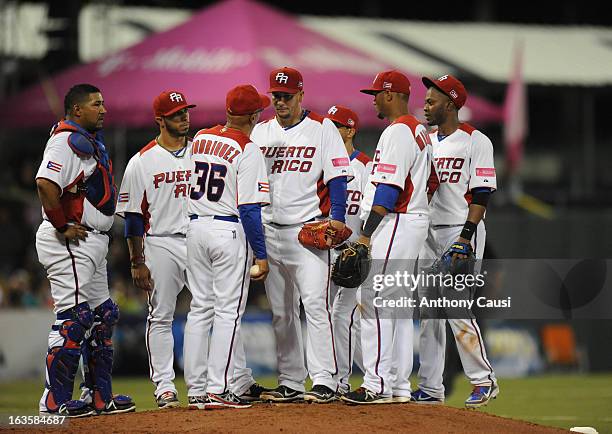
[306, 418]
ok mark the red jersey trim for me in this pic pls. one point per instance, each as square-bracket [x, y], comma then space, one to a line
[467, 128]
[324, 200]
[315, 117]
[230, 133]
[149, 145]
[404, 198]
[364, 158]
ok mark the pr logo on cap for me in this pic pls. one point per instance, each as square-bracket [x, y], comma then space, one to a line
[169, 102]
[286, 80]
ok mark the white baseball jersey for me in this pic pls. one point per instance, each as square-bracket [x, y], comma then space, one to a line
[301, 160]
[463, 161]
[156, 184]
[228, 171]
[362, 167]
[402, 159]
[63, 167]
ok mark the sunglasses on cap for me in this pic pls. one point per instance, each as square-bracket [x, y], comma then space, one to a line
[280, 96]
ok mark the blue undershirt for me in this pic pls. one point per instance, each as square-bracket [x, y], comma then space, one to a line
[134, 225]
[386, 196]
[337, 197]
[250, 216]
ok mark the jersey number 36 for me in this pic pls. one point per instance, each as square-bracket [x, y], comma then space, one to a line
[213, 174]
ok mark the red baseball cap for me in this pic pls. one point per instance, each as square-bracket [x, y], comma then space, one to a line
[169, 102]
[450, 86]
[343, 115]
[393, 81]
[287, 80]
[245, 100]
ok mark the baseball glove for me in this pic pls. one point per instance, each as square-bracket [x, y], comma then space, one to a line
[352, 266]
[322, 235]
[446, 265]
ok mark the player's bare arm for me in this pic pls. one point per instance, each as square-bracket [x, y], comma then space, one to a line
[49, 194]
[141, 275]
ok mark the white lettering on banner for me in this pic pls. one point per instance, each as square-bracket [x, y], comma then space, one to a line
[282, 78]
[322, 59]
[222, 60]
[177, 59]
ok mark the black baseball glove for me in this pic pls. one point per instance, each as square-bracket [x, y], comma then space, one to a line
[352, 266]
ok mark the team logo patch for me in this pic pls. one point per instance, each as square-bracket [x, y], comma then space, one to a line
[56, 167]
[343, 161]
[386, 168]
[485, 171]
[263, 187]
[124, 197]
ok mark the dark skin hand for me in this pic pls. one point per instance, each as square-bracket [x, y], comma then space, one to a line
[49, 194]
[475, 215]
[141, 275]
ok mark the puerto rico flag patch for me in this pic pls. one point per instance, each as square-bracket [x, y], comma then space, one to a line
[124, 197]
[386, 168]
[263, 187]
[485, 171]
[56, 167]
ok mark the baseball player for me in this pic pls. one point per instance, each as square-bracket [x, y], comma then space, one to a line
[153, 200]
[228, 180]
[463, 158]
[76, 188]
[345, 311]
[308, 169]
[396, 219]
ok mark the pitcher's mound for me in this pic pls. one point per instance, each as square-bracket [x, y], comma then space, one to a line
[336, 418]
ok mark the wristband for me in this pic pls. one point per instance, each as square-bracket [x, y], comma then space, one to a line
[468, 230]
[371, 224]
[57, 218]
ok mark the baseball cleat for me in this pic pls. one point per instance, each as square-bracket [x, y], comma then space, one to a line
[365, 396]
[73, 409]
[320, 394]
[421, 397]
[225, 400]
[397, 399]
[197, 402]
[167, 399]
[282, 394]
[481, 395]
[119, 404]
[254, 393]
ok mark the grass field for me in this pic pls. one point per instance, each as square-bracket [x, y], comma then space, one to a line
[556, 400]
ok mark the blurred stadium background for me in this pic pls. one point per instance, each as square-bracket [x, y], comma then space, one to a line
[540, 82]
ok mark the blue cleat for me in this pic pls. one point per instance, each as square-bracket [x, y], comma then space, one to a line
[481, 395]
[421, 397]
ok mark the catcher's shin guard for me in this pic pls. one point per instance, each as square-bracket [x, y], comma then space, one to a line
[62, 360]
[98, 354]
